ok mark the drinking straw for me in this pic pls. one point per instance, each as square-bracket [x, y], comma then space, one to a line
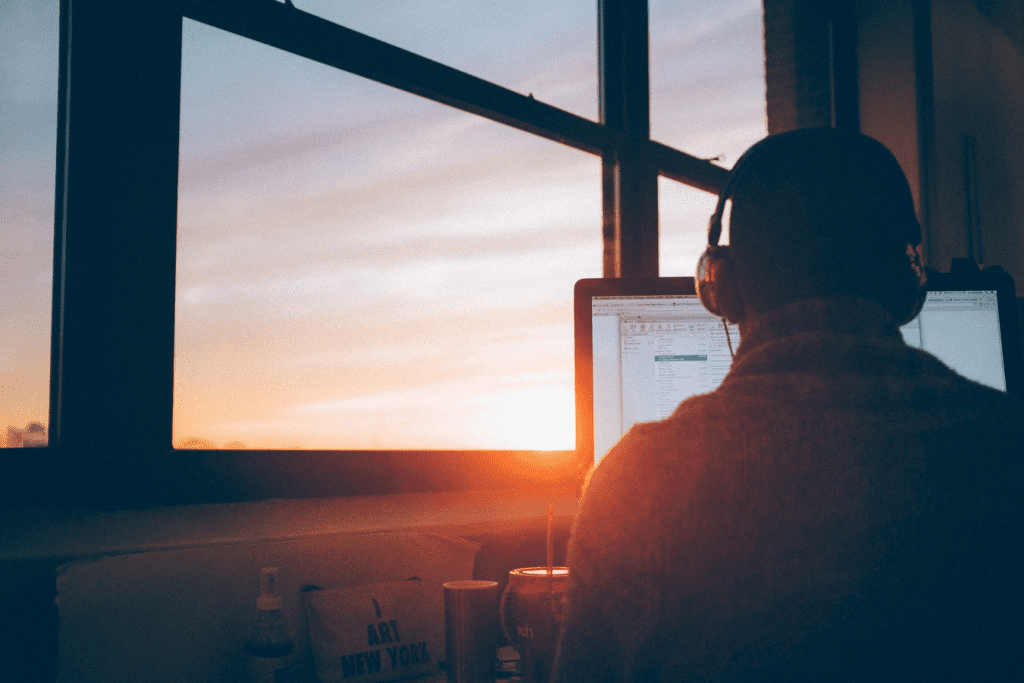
[551, 548]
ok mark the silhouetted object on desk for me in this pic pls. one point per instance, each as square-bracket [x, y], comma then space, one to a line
[270, 651]
[471, 630]
[531, 616]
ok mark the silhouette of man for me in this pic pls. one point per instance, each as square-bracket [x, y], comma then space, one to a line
[843, 507]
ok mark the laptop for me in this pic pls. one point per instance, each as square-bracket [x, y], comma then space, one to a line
[645, 345]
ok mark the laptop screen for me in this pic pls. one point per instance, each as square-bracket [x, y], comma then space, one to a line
[645, 345]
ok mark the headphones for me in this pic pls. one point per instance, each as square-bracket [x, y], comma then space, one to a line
[904, 305]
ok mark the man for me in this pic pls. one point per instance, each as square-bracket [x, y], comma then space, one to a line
[843, 507]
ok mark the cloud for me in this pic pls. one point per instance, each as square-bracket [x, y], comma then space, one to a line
[707, 81]
[476, 411]
[512, 196]
[512, 44]
[28, 55]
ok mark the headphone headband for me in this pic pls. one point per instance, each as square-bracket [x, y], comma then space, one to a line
[715, 223]
[913, 235]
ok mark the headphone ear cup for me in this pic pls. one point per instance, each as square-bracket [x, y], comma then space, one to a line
[707, 264]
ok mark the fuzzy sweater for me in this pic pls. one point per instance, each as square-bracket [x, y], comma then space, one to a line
[844, 507]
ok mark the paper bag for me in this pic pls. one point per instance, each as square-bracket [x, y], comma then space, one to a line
[376, 632]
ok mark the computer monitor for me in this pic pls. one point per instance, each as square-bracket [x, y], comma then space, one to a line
[642, 347]
[961, 328]
[645, 345]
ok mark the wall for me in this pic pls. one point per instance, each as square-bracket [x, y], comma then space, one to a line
[929, 75]
[887, 82]
[979, 91]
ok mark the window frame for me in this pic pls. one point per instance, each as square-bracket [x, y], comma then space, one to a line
[112, 351]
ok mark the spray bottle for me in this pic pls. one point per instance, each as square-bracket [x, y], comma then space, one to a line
[270, 651]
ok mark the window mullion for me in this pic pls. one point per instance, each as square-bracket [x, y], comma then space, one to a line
[625, 107]
[116, 241]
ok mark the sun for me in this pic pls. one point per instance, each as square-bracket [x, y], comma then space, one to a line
[539, 419]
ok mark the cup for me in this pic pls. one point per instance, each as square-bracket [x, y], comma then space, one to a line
[471, 630]
[531, 616]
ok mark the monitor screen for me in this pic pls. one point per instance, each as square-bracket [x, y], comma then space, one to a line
[649, 354]
[961, 328]
[643, 346]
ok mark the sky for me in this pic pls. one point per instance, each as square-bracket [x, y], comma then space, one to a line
[362, 268]
[28, 126]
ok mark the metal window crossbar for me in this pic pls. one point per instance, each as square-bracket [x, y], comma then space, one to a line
[290, 29]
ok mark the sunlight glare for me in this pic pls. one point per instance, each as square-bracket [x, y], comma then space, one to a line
[539, 419]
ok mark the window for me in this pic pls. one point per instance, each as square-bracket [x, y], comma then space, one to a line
[28, 127]
[148, 216]
[708, 98]
[707, 77]
[357, 267]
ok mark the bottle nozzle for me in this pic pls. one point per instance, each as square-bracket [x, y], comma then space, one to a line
[269, 596]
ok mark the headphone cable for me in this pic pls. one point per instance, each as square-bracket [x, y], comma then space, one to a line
[728, 339]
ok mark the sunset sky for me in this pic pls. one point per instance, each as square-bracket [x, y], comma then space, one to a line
[363, 268]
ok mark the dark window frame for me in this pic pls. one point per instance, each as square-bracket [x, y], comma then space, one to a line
[115, 238]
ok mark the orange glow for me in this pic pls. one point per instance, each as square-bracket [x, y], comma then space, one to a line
[539, 419]
[557, 571]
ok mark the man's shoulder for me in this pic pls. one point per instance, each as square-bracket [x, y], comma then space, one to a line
[997, 414]
[648, 449]
[945, 389]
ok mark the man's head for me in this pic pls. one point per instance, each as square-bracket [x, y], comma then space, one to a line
[815, 212]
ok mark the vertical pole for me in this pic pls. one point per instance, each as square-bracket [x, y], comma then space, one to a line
[925, 89]
[115, 246]
[631, 184]
[843, 58]
[610, 215]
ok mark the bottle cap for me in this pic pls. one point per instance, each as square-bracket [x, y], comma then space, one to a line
[269, 597]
